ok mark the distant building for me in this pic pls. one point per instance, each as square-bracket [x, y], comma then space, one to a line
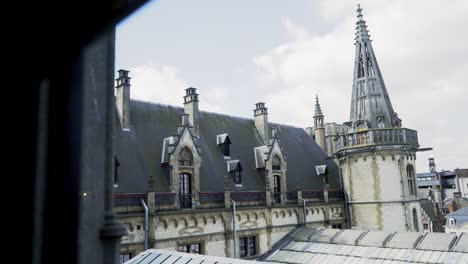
[432, 217]
[457, 222]
[444, 185]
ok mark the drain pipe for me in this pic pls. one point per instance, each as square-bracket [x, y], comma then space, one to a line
[304, 209]
[345, 194]
[403, 193]
[234, 224]
[146, 223]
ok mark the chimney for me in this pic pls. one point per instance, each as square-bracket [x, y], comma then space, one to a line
[123, 98]
[191, 107]
[432, 166]
[261, 121]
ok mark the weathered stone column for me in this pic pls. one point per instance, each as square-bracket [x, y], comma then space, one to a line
[267, 191]
[299, 197]
[227, 193]
[325, 193]
[151, 220]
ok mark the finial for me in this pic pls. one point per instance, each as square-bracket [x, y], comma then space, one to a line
[359, 11]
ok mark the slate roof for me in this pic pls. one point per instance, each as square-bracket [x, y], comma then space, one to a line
[427, 206]
[362, 246]
[139, 151]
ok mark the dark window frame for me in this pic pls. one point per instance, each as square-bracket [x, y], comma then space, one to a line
[123, 255]
[247, 244]
[187, 247]
[185, 190]
[238, 177]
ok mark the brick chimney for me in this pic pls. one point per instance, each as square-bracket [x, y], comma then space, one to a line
[123, 98]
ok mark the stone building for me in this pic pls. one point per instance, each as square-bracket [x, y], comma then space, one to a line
[186, 165]
[375, 153]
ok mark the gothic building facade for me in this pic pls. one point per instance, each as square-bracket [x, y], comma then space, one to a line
[181, 172]
[375, 153]
[189, 168]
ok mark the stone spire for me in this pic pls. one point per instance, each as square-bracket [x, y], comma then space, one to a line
[370, 103]
[319, 128]
[318, 115]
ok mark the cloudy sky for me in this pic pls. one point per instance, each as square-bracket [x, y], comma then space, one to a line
[241, 52]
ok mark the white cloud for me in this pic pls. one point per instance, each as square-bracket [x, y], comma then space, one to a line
[157, 84]
[164, 85]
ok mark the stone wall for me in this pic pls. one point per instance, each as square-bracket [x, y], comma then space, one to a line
[213, 228]
[378, 189]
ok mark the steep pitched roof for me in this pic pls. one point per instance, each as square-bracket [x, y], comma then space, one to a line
[140, 149]
[427, 206]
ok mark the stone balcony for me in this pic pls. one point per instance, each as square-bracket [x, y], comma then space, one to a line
[376, 137]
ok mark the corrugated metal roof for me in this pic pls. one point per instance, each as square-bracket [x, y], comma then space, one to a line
[373, 247]
[437, 241]
[157, 256]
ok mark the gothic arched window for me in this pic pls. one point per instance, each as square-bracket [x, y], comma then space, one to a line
[411, 185]
[415, 220]
[276, 162]
[186, 157]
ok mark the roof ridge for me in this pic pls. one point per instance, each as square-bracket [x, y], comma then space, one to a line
[209, 112]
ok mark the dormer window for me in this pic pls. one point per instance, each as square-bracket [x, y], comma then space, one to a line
[237, 177]
[186, 157]
[235, 170]
[223, 143]
[276, 164]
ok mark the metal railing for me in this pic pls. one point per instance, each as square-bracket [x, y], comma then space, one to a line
[249, 198]
[185, 200]
[129, 202]
[378, 136]
[276, 197]
[164, 200]
[335, 194]
[312, 194]
[211, 199]
[291, 197]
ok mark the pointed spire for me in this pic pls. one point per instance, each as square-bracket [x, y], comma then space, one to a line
[318, 115]
[370, 104]
[318, 110]
[362, 34]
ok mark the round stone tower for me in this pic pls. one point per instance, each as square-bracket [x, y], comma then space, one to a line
[377, 156]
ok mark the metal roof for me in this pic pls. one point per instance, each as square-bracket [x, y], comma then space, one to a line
[158, 256]
[362, 246]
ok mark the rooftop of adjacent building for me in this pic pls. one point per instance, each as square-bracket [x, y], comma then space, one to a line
[319, 245]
